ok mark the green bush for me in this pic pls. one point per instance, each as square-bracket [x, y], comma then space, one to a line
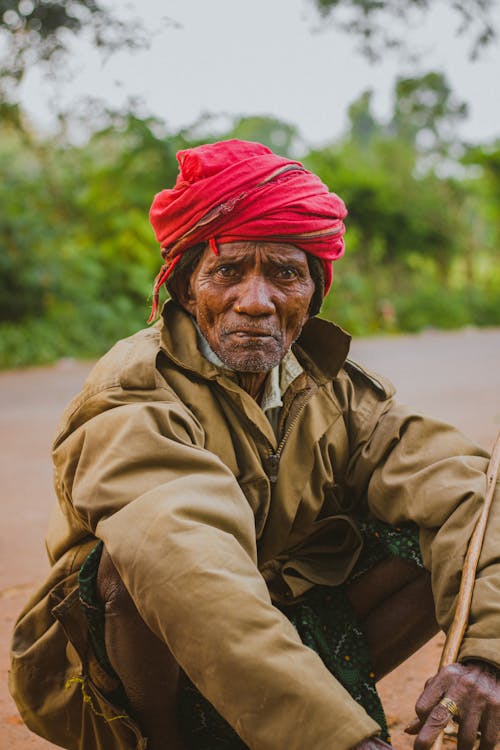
[78, 257]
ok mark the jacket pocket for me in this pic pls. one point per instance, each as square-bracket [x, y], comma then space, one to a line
[326, 557]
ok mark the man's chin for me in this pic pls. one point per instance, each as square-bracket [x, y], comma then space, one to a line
[254, 362]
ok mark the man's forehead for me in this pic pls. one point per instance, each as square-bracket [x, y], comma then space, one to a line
[251, 250]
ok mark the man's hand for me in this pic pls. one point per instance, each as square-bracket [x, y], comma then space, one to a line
[474, 690]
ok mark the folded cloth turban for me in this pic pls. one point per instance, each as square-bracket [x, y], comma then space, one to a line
[238, 191]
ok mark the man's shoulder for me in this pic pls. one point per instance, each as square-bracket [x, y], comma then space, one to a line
[362, 377]
[363, 397]
[360, 391]
[129, 364]
[126, 374]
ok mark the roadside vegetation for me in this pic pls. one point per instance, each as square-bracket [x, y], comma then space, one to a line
[78, 257]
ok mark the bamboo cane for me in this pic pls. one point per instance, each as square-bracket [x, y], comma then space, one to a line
[461, 618]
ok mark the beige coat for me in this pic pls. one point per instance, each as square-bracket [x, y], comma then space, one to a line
[162, 456]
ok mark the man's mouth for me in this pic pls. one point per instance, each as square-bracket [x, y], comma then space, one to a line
[251, 333]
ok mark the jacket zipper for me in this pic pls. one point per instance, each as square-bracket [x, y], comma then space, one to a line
[272, 462]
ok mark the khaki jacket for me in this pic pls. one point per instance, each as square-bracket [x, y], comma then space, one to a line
[163, 456]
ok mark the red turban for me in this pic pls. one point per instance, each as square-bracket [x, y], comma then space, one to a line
[237, 190]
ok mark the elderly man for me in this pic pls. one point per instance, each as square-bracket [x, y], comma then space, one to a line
[248, 523]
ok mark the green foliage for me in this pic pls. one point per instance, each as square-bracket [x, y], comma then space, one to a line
[77, 254]
[78, 257]
[426, 106]
[485, 196]
[421, 247]
[279, 136]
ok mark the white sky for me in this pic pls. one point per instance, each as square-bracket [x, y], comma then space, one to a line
[263, 57]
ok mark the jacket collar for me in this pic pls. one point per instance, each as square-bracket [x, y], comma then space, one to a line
[321, 348]
[179, 341]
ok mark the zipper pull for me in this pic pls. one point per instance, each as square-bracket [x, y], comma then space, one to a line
[271, 466]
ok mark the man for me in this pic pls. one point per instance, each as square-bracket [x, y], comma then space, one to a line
[235, 549]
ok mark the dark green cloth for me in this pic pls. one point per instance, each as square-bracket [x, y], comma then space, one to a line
[323, 618]
[92, 606]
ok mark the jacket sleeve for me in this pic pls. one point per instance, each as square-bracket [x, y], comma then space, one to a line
[181, 534]
[409, 467]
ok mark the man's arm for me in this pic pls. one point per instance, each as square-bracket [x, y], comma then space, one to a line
[413, 468]
[424, 471]
[182, 537]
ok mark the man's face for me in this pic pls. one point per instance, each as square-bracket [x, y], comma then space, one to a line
[250, 301]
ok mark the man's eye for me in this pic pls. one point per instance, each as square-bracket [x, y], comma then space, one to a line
[286, 273]
[226, 270]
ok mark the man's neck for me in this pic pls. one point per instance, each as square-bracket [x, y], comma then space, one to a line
[253, 383]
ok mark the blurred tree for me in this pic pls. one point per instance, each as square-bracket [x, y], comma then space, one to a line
[403, 217]
[25, 279]
[487, 158]
[78, 256]
[396, 215]
[280, 136]
[426, 113]
[74, 228]
[380, 24]
[40, 32]
[363, 126]
[485, 184]
[113, 179]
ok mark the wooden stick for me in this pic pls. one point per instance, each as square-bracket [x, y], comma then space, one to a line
[461, 618]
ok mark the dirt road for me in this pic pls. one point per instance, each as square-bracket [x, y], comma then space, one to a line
[455, 376]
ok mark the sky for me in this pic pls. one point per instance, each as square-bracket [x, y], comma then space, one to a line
[266, 57]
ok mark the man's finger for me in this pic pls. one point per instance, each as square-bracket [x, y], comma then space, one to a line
[414, 726]
[468, 729]
[434, 690]
[436, 721]
[488, 742]
[490, 728]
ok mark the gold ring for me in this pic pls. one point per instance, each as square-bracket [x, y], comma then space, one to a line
[450, 706]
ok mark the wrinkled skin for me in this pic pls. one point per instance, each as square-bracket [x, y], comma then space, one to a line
[250, 302]
[475, 688]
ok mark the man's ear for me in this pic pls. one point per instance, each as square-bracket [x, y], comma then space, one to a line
[189, 299]
[181, 289]
[180, 285]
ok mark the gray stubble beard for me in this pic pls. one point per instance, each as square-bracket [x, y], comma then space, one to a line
[253, 362]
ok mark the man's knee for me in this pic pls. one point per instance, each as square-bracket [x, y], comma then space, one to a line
[143, 662]
[124, 628]
[110, 587]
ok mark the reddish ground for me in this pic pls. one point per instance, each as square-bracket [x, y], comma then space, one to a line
[455, 376]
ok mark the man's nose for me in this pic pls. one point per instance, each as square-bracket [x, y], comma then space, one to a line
[255, 297]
